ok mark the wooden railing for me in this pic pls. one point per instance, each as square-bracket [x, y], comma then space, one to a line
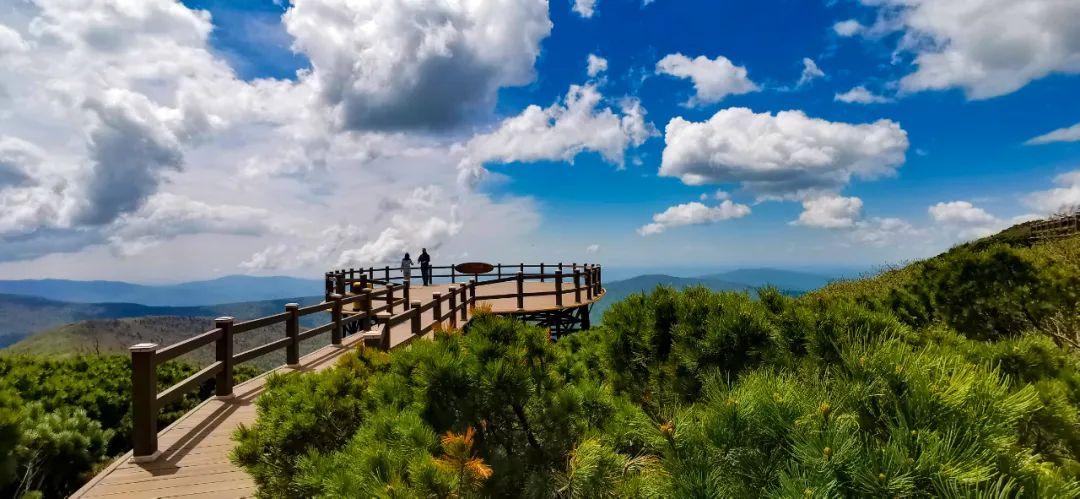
[1065, 225]
[337, 280]
[375, 295]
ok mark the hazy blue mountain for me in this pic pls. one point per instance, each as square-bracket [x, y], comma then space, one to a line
[783, 279]
[22, 315]
[228, 289]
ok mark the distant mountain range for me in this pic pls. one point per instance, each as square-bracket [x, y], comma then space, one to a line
[784, 279]
[23, 315]
[66, 316]
[228, 289]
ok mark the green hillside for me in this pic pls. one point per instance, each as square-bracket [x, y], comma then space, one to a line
[114, 336]
[957, 376]
[24, 315]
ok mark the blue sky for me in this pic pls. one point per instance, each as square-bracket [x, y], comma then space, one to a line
[965, 132]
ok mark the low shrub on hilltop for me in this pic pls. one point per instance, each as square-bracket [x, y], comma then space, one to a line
[940, 379]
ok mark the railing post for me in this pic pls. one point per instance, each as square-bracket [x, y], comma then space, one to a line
[415, 319]
[560, 266]
[436, 308]
[588, 284]
[466, 302]
[363, 279]
[339, 283]
[558, 286]
[384, 338]
[453, 274]
[371, 273]
[453, 307]
[599, 281]
[292, 330]
[390, 298]
[577, 285]
[144, 403]
[386, 272]
[223, 386]
[329, 287]
[365, 301]
[520, 290]
[541, 271]
[335, 317]
[498, 267]
[405, 295]
[521, 268]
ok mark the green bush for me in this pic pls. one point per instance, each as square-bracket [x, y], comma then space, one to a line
[937, 379]
[62, 417]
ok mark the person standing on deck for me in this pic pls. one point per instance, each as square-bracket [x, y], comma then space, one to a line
[425, 267]
[406, 269]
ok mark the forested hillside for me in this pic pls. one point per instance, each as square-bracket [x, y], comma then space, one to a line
[24, 315]
[955, 377]
[115, 336]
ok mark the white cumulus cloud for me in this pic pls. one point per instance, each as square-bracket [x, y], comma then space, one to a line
[887, 231]
[1068, 134]
[787, 155]
[987, 48]
[560, 132]
[965, 220]
[693, 213]
[714, 79]
[426, 218]
[596, 65]
[830, 212]
[585, 8]
[165, 216]
[1064, 197]
[860, 95]
[810, 72]
[848, 27]
[400, 64]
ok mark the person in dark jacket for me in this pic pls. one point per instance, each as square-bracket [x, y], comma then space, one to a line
[425, 266]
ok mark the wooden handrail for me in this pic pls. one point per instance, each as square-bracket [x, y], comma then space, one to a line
[351, 286]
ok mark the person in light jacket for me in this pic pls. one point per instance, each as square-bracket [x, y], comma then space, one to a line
[406, 269]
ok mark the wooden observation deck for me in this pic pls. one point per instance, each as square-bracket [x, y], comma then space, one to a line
[368, 308]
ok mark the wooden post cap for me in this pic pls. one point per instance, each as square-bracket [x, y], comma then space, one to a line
[383, 316]
[143, 347]
[415, 304]
[292, 306]
[220, 320]
[336, 296]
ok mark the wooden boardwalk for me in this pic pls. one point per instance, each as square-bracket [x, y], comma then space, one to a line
[194, 459]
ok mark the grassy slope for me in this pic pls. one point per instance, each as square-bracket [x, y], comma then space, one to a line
[103, 336]
[51, 327]
[1018, 236]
